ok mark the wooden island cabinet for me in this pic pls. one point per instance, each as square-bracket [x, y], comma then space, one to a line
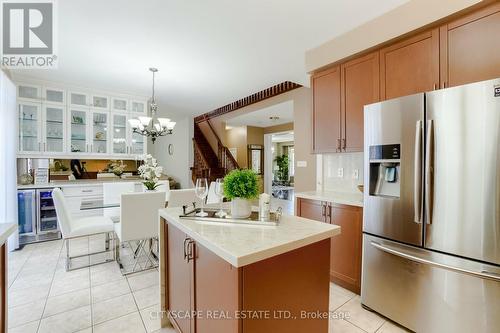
[229, 278]
[345, 256]
[463, 49]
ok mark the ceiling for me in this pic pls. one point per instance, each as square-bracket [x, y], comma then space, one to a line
[208, 53]
[260, 118]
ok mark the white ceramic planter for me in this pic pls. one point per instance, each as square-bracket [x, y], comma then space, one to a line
[241, 208]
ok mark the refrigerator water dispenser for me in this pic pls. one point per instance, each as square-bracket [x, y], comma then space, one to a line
[385, 167]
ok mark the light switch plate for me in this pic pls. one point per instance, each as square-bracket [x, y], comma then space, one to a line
[340, 172]
[301, 164]
[355, 174]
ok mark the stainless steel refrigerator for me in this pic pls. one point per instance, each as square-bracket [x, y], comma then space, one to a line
[431, 224]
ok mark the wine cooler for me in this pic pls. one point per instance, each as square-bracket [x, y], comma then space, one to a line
[37, 216]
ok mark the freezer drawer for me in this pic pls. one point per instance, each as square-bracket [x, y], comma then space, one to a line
[427, 291]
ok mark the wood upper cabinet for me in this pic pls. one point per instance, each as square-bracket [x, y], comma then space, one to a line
[359, 87]
[345, 249]
[470, 48]
[345, 257]
[326, 120]
[410, 66]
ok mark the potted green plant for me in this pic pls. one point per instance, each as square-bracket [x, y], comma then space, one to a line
[240, 186]
[150, 171]
[282, 162]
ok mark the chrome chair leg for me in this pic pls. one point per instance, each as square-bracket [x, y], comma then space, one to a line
[107, 250]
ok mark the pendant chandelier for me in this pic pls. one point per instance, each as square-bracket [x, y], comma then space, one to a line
[152, 126]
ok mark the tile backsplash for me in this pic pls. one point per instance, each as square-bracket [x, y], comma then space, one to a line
[346, 179]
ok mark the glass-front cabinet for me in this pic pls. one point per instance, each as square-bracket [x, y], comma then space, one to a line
[53, 128]
[99, 130]
[78, 131]
[119, 135]
[29, 127]
[54, 96]
[60, 121]
[138, 144]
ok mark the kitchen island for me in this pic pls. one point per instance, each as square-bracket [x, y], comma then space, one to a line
[222, 277]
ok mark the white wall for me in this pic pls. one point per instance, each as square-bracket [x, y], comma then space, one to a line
[176, 165]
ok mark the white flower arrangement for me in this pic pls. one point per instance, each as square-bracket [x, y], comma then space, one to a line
[150, 171]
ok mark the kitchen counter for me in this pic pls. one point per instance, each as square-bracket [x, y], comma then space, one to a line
[242, 245]
[343, 198]
[6, 229]
[239, 269]
[78, 182]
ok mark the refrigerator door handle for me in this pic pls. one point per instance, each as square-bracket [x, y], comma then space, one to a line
[429, 171]
[408, 256]
[417, 194]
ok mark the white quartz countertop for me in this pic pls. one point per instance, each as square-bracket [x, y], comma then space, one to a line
[242, 245]
[343, 198]
[6, 229]
[77, 183]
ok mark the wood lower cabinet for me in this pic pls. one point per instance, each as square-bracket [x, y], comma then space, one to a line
[470, 48]
[360, 86]
[410, 66]
[326, 111]
[202, 293]
[345, 256]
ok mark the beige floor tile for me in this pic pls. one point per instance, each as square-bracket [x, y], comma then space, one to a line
[147, 297]
[130, 323]
[28, 295]
[26, 313]
[34, 280]
[113, 308]
[144, 279]
[31, 327]
[390, 327]
[82, 273]
[66, 322]
[66, 302]
[109, 265]
[166, 330]
[339, 296]
[364, 319]
[151, 318]
[106, 275]
[68, 285]
[343, 326]
[110, 290]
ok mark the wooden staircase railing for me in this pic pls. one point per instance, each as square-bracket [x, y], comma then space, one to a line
[207, 164]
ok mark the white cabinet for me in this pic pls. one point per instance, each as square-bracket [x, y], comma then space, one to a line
[78, 99]
[120, 136]
[54, 96]
[29, 92]
[29, 127]
[78, 130]
[54, 128]
[119, 104]
[99, 132]
[138, 106]
[99, 102]
[59, 122]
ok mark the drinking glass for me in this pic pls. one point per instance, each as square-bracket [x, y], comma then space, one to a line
[201, 190]
[219, 192]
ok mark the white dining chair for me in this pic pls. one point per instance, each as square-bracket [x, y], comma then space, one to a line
[72, 228]
[112, 192]
[212, 198]
[179, 198]
[138, 229]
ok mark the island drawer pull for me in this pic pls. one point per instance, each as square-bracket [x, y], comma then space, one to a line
[190, 252]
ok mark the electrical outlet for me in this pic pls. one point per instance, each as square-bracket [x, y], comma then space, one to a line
[340, 172]
[355, 174]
